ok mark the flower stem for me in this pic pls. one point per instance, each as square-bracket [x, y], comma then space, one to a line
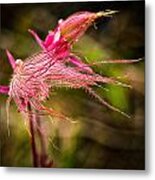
[32, 131]
[41, 137]
[44, 159]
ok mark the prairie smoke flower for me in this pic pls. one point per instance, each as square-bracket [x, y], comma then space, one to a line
[55, 66]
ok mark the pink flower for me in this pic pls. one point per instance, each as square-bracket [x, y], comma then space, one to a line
[55, 66]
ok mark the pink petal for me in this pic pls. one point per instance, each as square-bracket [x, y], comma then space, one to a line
[4, 89]
[54, 40]
[37, 38]
[83, 67]
[11, 59]
[49, 39]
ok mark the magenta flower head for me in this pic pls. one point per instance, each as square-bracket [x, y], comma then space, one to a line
[55, 66]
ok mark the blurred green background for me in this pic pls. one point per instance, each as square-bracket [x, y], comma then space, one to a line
[97, 137]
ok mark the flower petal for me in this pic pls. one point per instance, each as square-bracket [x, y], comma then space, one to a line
[37, 38]
[4, 89]
[11, 59]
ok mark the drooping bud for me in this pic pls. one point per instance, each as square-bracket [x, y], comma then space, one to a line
[75, 26]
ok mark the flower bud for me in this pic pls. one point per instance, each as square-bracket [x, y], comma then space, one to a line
[75, 26]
